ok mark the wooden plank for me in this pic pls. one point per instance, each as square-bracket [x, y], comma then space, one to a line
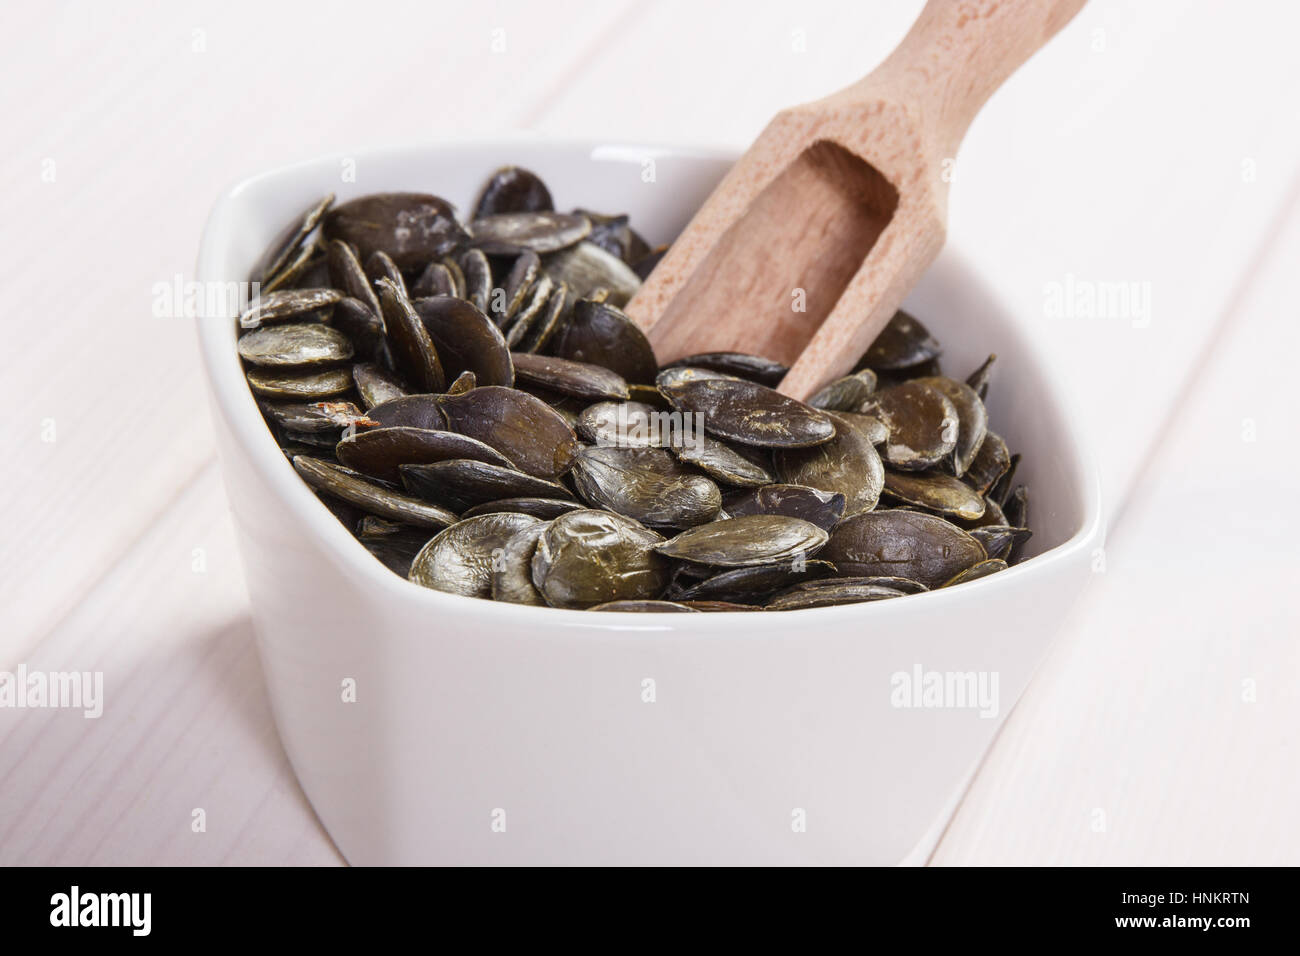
[1161, 731]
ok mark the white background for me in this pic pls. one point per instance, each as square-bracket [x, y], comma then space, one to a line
[1154, 142]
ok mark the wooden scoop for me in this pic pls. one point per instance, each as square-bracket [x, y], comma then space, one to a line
[808, 246]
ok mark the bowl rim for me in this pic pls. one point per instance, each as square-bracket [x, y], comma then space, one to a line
[235, 403]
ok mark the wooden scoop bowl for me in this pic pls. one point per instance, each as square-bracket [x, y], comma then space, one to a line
[808, 246]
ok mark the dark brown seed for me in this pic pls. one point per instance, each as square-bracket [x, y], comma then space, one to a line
[461, 483]
[478, 278]
[520, 426]
[434, 280]
[991, 462]
[905, 585]
[301, 265]
[846, 394]
[869, 425]
[593, 557]
[380, 265]
[460, 559]
[753, 584]
[999, 540]
[1001, 490]
[935, 491]
[299, 345]
[463, 383]
[830, 593]
[412, 348]
[512, 567]
[976, 571]
[672, 377]
[755, 368]
[649, 395]
[466, 340]
[366, 329]
[519, 280]
[393, 543]
[316, 418]
[740, 542]
[379, 451]
[346, 274]
[601, 334]
[903, 343]
[507, 233]
[739, 467]
[848, 464]
[908, 544]
[288, 304]
[375, 385]
[615, 236]
[751, 414]
[411, 227]
[646, 484]
[413, 411]
[569, 377]
[623, 425]
[979, 379]
[822, 508]
[972, 419]
[922, 425]
[712, 606]
[513, 189]
[303, 386]
[1017, 508]
[535, 308]
[644, 607]
[587, 267]
[544, 508]
[459, 287]
[370, 496]
[290, 244]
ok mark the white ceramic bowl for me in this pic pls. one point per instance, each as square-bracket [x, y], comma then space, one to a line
[491, 733]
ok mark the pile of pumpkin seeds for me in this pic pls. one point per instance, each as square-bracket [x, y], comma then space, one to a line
[469, 400]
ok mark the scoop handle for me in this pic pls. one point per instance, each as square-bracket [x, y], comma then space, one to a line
[957, 53]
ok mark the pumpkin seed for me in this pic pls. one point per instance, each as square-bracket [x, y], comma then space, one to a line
[520, 426]
[981, 570]
[847, 393]
[580, 379]
[752, 539]
[586, 558]
[509, 232]
[830, 593]
[411, 227]
[412, 348]
[908, 544]
[466, 340]
[990, 463]
[739, 467]
[935, 491]
[972, 419]
[304, 386]
[904, 342]
[512, 189]
[461, 483]
[755, 368]
[822, 508]
[379, 451]
[922, 425]
[646, 484]
[512, 567]
[751, 414]
[748, 585]
[294, 346]
[369, 496]
[544, 508]
[848, 464]
[288, 304]
[413, 411]
[599, 333]
[460, 559]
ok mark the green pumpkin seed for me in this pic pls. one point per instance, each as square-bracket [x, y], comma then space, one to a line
[646, 484]
[461, 483]
[304, 386]
[739, 542]
[379, 451]
[935, 492]
[848, 464]
[520, 426]
[587, 558]
[751, 414]
[909, 544]
[755, 368]
[460, 559]
[922, 425]
[822, 508]
[411, 227]
[369, 496]
[297, 345]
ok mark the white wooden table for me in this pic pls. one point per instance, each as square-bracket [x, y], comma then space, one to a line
[1154, 143]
